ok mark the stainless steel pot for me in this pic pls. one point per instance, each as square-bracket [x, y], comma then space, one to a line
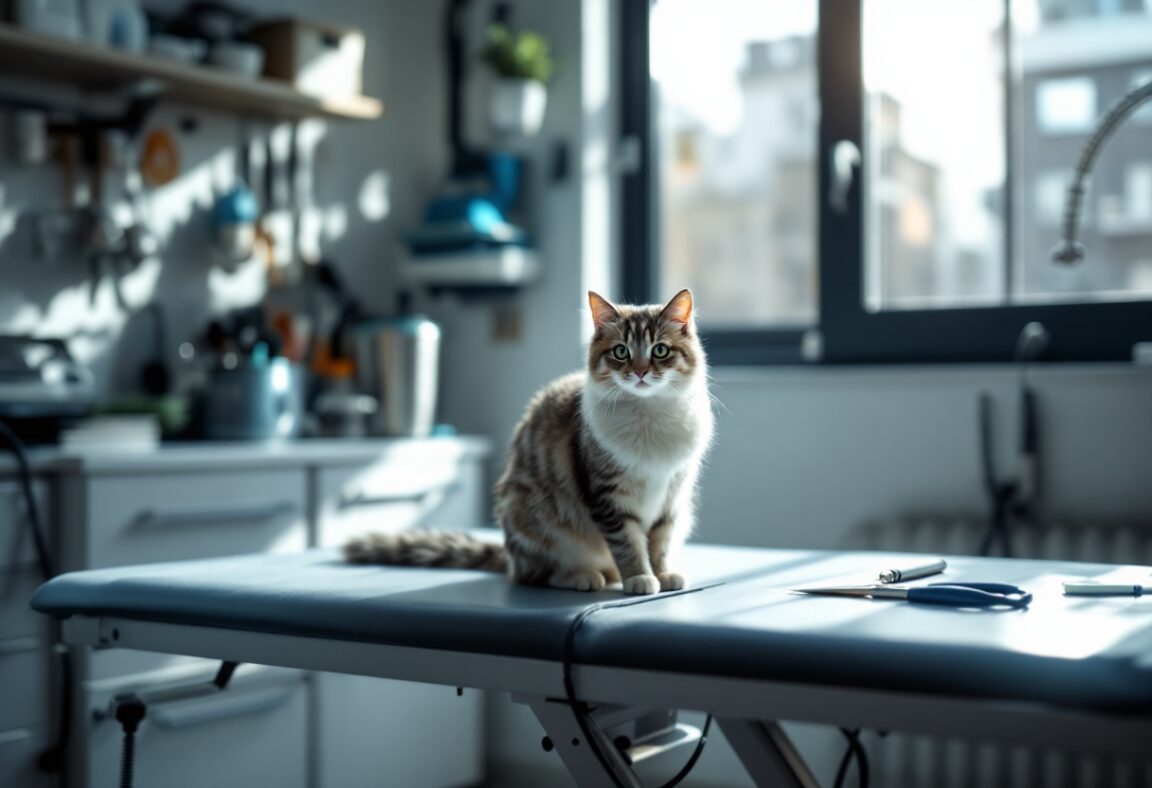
[398, 362]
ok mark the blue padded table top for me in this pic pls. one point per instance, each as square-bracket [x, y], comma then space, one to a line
[316, 594]
[1080, 652]
[1093, 653]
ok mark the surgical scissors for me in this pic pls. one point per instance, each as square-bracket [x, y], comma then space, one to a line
[952, 594]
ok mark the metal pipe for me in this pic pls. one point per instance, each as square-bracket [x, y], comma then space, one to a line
[1069, 250]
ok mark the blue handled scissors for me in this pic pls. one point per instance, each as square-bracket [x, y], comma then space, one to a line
[952, 594]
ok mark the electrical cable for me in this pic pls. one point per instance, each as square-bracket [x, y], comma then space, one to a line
[855, 750]
[20, 451]
[1000, 494]
[51, 760]
[129, 713]
[690, 764]
[1014, 498]
[580, 709]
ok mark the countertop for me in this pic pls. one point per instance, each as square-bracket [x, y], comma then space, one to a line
[169, 457]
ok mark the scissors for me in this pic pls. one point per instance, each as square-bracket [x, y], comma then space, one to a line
[952, 594]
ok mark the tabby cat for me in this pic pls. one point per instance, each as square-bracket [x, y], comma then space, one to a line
[601, 474]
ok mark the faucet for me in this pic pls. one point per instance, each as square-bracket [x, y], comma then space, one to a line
[1069, 250]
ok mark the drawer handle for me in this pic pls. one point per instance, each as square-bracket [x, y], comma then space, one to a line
[425, 498]
[223, 707]
[231, 514]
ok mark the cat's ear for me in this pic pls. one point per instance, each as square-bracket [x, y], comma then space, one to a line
[602, 311]
[679, 309]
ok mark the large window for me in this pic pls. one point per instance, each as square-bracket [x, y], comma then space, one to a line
[889, 175]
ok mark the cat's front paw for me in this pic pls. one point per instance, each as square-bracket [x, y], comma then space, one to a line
[641, 584]
[582, 580]
[671, 581]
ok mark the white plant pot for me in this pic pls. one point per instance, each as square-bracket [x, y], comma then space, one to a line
[516, 107]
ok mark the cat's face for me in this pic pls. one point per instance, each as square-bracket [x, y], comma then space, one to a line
[644, 351]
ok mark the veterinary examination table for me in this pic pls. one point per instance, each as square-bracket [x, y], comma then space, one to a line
[1072, 673]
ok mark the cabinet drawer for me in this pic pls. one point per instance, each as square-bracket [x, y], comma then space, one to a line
[368, 727]
[394, 495]
[253, 733]
[19, 751]
[165, 517]
[23, 684]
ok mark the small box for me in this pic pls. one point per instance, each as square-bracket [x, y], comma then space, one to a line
[317, 59]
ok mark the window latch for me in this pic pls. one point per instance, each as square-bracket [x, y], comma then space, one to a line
[845, 157]
[628, 158]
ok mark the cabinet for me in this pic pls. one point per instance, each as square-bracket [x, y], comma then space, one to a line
[291, 729]
[25, 640]
[376, 732]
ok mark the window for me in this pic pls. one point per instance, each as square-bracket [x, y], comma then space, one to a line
[898, 192]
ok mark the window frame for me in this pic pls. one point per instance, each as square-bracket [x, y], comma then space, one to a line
[849, 333]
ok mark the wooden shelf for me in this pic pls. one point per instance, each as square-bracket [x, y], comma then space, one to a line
[79, 63]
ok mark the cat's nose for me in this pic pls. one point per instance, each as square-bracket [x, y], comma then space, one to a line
[640, 373]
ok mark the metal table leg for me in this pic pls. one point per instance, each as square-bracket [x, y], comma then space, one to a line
[767, 753]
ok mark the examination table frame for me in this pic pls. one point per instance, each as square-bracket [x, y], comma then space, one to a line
[747, 707]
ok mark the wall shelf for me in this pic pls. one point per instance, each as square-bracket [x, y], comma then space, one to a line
[27, 54]
[508, 267]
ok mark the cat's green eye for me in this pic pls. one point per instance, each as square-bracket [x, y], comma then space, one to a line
[659, 350]
[620, 352]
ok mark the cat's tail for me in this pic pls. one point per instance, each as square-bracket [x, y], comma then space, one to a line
[444, 549]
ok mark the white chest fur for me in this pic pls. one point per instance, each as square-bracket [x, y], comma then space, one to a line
[654, 439]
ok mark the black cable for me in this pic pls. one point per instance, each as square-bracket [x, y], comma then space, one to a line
[855, 749]
[128, 759]
[34, 523]
[1013, 498]
[999, 494]
[580, 709]
[687, 768]
[842, 770]
[51, 760]
[129, 713]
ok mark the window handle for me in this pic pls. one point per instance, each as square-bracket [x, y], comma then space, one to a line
[845, 157]
[629, 156]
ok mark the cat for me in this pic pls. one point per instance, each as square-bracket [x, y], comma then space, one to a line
[601, 475]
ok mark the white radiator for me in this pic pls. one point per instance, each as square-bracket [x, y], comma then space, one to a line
[906, 761]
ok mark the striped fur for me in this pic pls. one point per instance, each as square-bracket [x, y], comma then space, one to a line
[602, 469]
[426, 548]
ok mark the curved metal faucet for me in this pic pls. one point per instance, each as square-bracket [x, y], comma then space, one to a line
[1069, 250]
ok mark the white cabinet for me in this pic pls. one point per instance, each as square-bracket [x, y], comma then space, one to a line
[148, 516]
[287, 729]
[19, 751]
[136, 518]
[25, 637]
[377, 732]
[396, 492]
[255, 733]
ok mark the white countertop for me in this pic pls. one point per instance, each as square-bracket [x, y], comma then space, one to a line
[218, 455]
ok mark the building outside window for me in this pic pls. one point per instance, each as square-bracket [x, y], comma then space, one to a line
[969, 118]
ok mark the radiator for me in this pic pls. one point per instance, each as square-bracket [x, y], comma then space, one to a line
[906, 761]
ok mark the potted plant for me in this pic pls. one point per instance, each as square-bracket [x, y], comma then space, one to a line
[522, 63]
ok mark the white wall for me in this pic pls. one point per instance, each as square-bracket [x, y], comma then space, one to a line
[805, 457]
[486, 384]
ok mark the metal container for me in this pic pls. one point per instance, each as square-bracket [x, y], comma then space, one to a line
[398, 362]
[254, 402]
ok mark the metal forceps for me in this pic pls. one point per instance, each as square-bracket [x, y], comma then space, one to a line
[951, 594]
